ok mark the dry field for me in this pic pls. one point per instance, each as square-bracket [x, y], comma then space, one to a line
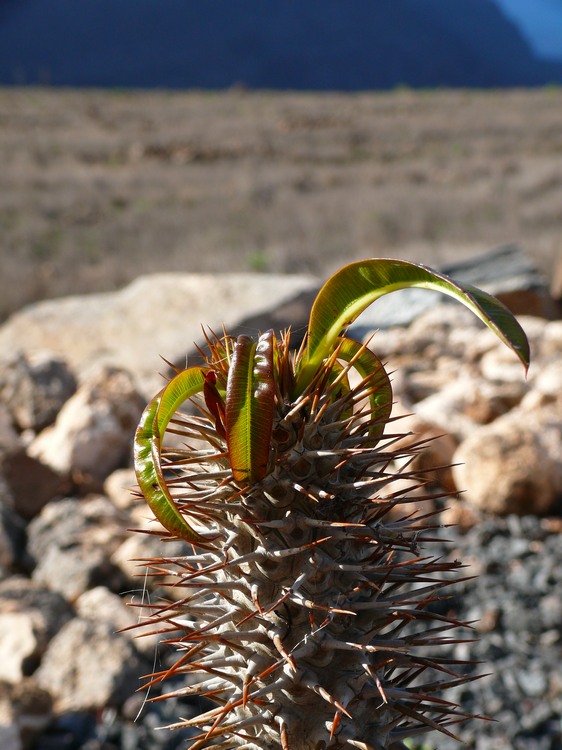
[99, 187]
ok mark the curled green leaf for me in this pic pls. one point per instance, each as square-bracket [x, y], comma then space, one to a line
[147, 452]
[250, 403]
[352, 289]
[368, 365]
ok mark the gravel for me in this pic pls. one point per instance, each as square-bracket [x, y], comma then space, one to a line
[516, 603]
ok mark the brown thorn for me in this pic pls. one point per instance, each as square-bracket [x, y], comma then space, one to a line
[245, 687]
[336, 721]
[288, 658]
[326, 695]
[284, 736]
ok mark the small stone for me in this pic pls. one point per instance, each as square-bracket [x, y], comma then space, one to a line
[93, 433]
[32, 484]
[19, 645]
[91, 521]
[77, 537]
[499, 364]
[509, 467]
[549, 379]
[34, 386]
[122, 489]
[132, 559]
[101, 605]
[489, 620]
[87, 666]
[29, 617]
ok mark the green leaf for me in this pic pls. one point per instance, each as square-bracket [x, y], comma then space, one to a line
[367, 364]
[250, 401]
[147, 451]
[181, 387]
[352, 289]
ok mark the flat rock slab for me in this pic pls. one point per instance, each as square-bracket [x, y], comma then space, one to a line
[156, 315]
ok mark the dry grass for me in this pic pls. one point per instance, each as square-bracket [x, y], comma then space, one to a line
[98, 187]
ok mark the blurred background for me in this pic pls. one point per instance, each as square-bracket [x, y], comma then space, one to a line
[262, 135]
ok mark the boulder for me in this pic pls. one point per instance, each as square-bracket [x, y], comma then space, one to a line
[155, 315]
[121, 614]
[19, 645]
[88, 666]
[133, 558]
[513, 464]
[72, 542]
[31, 483]
[26, 484]
[93, 432]
[33, 387]
[469, 401]
[507, 273]
[30, 615]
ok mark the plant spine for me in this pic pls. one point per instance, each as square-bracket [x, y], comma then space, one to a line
[303, 615]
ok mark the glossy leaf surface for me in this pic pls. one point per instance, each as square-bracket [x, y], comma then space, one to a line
[147, 451]
[352, 289]
[250, 403]
[368, 365]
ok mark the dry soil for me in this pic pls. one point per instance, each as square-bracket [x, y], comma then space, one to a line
[99, 187]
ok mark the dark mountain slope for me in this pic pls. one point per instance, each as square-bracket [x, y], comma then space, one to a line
[286, 44]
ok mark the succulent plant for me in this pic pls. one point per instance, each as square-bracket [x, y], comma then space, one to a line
[303, 610]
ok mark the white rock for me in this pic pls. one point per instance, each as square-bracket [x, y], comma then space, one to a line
[18, 643]
[133, 556]
[34, 387]
[77, 537]
[548, 380]
[445, 408]
[87, 666]
[101, 605]
[550, 343]
[120, 488]
[500, 364]
[160, 314]
[512, 465]
[30, 615]
[469, 401]
[93, 432]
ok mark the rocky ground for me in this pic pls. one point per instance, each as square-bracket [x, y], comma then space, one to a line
[99, 187]
[66, 571]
